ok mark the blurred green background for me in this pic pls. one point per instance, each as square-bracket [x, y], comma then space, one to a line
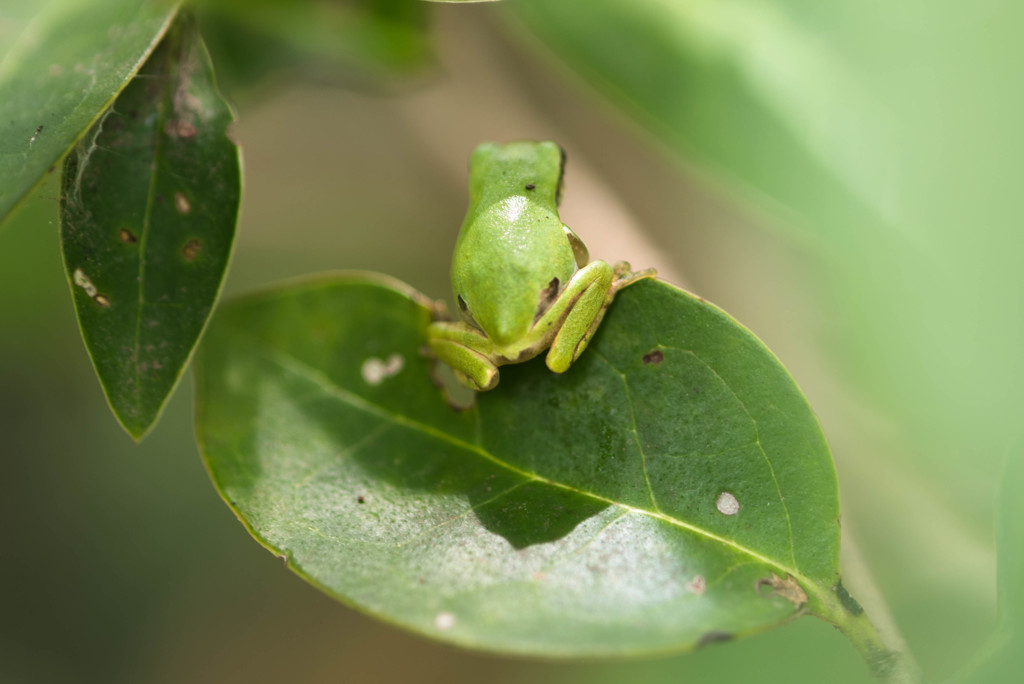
[119, 563]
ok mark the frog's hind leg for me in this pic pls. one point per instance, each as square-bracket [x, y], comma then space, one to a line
[599, 283]
[452, 343]
[595, 283]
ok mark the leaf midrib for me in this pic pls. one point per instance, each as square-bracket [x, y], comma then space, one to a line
[295, 365]
[159, 141]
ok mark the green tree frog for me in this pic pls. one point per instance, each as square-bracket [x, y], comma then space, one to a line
[522, 280]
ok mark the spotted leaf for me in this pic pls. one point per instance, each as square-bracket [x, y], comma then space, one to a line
[671, 490]
[149, 202]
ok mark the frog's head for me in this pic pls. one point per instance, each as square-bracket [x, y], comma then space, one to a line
[512, 245]
[507, 168]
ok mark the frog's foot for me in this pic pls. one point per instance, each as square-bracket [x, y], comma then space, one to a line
[478, 386]
[459, 347]
[472, 369]
[624, 276]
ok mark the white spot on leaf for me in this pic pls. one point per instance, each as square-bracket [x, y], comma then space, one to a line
[181, 203]
[444, 621]
[82, 281]
[376, 371]
[697, 585]
[727, 504]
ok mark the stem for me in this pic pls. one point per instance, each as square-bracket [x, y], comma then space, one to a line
[879, 643]
[885, 653]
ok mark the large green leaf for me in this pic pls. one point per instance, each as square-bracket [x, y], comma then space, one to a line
[671, 490]
[746, 88]
[1002, 658]
[14, 17]
[63, 72]
[149, 202]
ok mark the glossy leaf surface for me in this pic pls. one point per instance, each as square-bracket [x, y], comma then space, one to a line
[747, 89]
[672, 489]
[149, 202]
[61, 74]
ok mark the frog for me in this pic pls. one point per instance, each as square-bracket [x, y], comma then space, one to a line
[522, 280]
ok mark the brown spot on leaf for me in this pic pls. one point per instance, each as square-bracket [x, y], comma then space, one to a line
[127, 236]
[787, 588]
[184, 128]
[360, 499]
[102, 300]
[655, 356]
[191, 249]
[714, 638]
[698, 585]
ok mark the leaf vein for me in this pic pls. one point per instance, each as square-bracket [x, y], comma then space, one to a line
[290, 363]
[633, 428]
[757, 441]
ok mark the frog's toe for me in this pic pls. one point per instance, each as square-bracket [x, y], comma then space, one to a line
[480, 381]
[624, 275]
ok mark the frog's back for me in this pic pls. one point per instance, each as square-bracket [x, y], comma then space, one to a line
[512, 244]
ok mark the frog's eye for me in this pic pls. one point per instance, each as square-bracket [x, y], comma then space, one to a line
[547, 297]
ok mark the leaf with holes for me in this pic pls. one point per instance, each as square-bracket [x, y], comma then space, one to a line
[67, 65]
[672, 489]
[149, 202]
